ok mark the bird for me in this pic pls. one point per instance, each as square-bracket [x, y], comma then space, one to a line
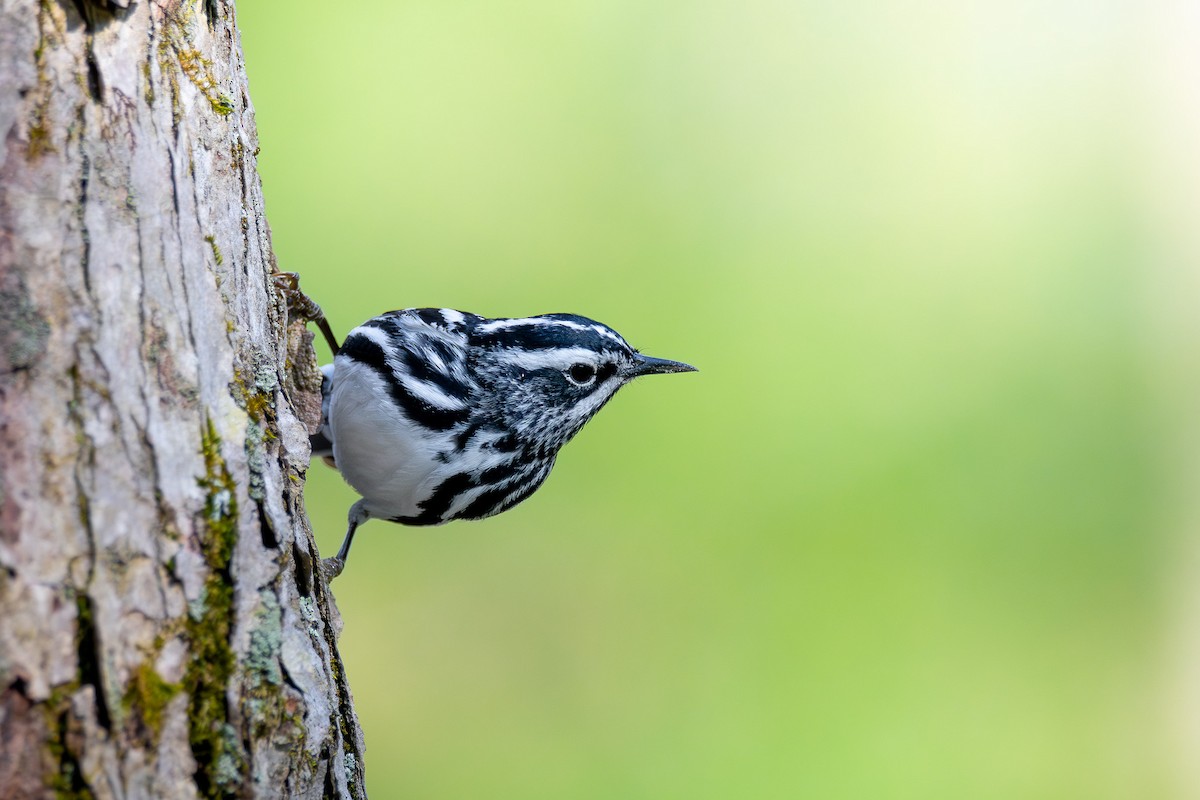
[433, 414]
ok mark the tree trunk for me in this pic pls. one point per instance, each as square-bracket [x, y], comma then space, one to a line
[163, 631]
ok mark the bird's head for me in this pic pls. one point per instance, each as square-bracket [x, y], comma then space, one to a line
[553, 372]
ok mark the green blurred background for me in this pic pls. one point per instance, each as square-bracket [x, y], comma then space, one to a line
[923, 525]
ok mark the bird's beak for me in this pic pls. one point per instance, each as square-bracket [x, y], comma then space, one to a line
[647, 365]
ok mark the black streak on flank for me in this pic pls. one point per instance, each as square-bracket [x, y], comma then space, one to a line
[368, 353]
[496, 500]
[434, 508]
[507, 444]
[460, 441]
[499, 474]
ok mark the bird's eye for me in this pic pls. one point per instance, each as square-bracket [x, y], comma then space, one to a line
[581, 374]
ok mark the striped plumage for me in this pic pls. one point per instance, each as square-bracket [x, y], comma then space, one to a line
[434, 415]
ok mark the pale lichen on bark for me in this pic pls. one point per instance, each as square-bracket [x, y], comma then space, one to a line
[162, 632]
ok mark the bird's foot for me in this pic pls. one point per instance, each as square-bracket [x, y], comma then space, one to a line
[301, 306]
[332, 567]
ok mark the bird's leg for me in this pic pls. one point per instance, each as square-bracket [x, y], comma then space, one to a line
[303, 307]
[332, 567]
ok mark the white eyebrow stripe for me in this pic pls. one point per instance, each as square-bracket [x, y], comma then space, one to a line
[610, 333]
[556, 358]
[580, 326]
[517, 322]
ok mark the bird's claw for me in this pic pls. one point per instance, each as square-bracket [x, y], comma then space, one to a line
[301, 306]
[332, 567]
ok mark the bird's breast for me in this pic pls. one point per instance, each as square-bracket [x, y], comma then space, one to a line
[383, 454]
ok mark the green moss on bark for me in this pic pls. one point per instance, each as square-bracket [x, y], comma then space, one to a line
[219, 759]
[148, 695]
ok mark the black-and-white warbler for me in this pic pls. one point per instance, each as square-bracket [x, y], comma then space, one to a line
[434, 415]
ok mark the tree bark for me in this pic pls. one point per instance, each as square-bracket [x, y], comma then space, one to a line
[163, 629]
